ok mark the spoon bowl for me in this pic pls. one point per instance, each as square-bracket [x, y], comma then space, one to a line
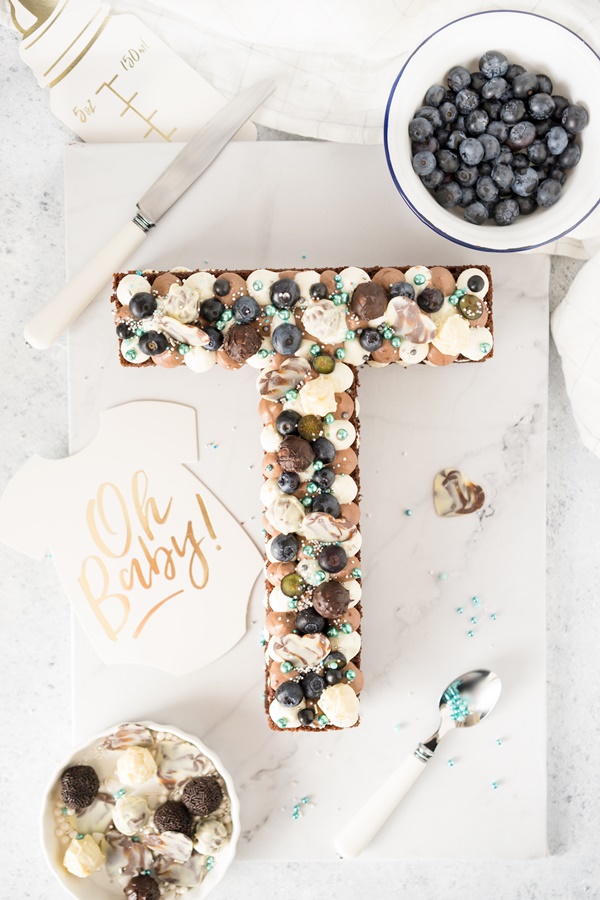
[470, 698]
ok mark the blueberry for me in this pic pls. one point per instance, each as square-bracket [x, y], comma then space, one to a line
[323, 363]
[312, 685]
[477, 121]
[491, 146]
[455, 138]
[447, 161]
[221, 287]
[458, 78]
[435, 95]
[288, 482]
[211, 309]
[402, 289]
[525, 85]
[153, 342]
[461, 123]
[520, 162]
[548, 192]
[502, 175]
[527, 205]
[431, 114]
[477, 81]
[332, 558]
[485, 168]
[424, 162]
[486, 189]
[467, 100]
[512, 112]
[318, 291]
[541, 106]
[287, 422]
[525, 182]
[574, 119]
[569, 158]
[467, 176]
[335, 660]
[506, 212]
[543, 126]
[326, 503]
[476, 213]
[441, 137]
[420, 129]
[215, 337]
[560, 104]
[512, 72]
[434, 180]
[475, 284]
[467, 197]
[471, 151]
[505, 156]
[557, 140]
[333, 676]
[448, 112]
[494, 88]
[493, 63]
[284, 293]
[521, 136]
[448, 195]
[545, 84]
[246, 309]
[124, 331]
[324, 478]
[306, 716]
[284, 547]
[324, 450]
[492, 108]
[537, 153]
[430, 146]
[308, 621]
[499, 130]
[558, 174]
[142, 305]
[430, 300]
[286, 339]
[370, 339]
[289, 693]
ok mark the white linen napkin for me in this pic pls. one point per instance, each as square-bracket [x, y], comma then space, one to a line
[335, 62]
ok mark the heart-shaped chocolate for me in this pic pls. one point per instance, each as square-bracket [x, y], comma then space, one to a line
[455, 495]
[302, 652]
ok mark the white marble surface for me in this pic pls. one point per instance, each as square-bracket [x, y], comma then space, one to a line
[414, 423]
[35, 620]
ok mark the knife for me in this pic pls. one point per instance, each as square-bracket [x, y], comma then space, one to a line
[52, 319]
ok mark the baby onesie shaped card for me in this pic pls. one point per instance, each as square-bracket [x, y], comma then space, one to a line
[143, 548]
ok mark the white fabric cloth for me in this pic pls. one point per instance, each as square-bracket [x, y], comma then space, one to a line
[335, 62]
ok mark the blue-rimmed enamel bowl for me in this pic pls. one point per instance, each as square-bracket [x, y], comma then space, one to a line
[541, 46]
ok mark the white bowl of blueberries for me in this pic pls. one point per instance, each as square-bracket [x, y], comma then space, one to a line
[492, 131]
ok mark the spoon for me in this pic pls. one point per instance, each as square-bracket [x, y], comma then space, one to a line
[465, 702]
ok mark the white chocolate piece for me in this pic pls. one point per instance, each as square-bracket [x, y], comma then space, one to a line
[318, 396]
[211, 837]
[200, 360]
[340, 704]
[320, 526]
[286, 714]
[136, 765]
[341, 433]
[474, 348]
[130, 285]
[344, 488]
[130, 814]
[286, 514]
[182, 303]
[325, 321]
[83, 857]
[348, 644]
[302, 651]
[452, 336]
[203, 283]
[353, 544]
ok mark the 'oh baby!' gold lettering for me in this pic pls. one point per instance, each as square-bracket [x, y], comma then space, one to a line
[122, 531]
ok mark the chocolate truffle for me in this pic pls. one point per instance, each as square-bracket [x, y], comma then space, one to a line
[142, 887]
[295, 454]
[79, 786]
[331, 599]
[241, 342]
[173, 816]
[202, 795]
[369, 300]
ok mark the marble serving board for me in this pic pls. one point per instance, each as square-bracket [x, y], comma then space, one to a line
[303, 204]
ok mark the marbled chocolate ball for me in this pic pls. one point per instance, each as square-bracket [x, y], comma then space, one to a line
[142, 887]
[173, 816]
[202, 795]
[331, 599]
[295, 454]
[79, 786]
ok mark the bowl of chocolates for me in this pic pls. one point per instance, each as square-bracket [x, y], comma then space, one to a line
[140, 812]
[494, 147]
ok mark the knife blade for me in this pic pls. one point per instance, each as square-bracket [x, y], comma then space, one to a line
[52, 319]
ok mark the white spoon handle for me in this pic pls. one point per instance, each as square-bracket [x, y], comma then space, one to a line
[52, 319]
[362, 828]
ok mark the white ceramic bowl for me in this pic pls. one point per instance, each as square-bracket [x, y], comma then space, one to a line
[538, 44]
[87, 888]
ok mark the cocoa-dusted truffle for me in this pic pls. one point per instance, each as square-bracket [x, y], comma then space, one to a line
[369, 300]
[173, 816]
[202, 795]
[241, 342]
[295, 454]
[331, 599]
[142, 887]
[79, 786]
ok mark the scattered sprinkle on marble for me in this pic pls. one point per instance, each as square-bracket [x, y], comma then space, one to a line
[398, 727]
[498, 742]
[451, 763]
[494, 785]
[460, 610]
[476, 601]
[470, 633]
[473, 620]
[442, 576]
[408, 512]
[493, 617]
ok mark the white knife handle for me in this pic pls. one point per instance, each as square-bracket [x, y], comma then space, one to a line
[362, 828]
[52, 319]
